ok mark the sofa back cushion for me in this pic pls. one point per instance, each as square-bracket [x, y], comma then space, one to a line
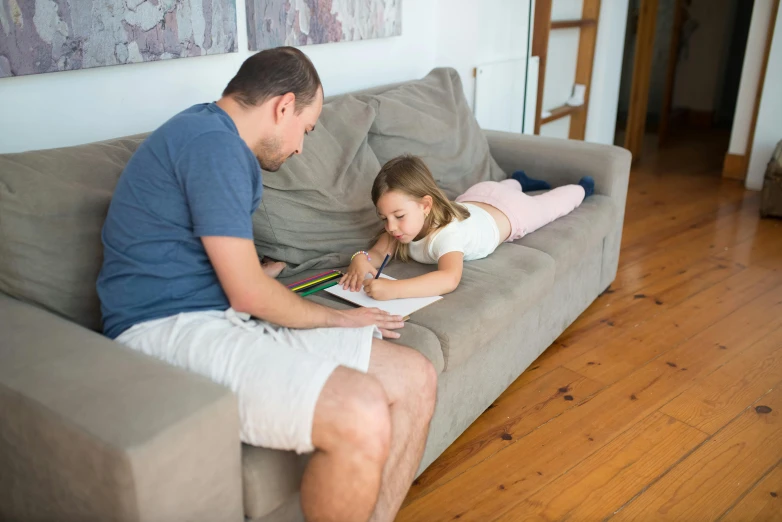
[317, 209]
[430, 118]
[52, 207]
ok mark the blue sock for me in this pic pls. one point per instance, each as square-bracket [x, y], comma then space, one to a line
[528, 184]
[589, 185]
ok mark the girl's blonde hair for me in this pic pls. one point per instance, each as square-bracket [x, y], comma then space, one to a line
[410, 175]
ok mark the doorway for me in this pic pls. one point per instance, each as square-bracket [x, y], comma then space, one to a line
[680, 75]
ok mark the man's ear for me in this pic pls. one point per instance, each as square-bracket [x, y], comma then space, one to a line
[285, 106]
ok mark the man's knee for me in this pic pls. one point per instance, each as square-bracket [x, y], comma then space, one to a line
[423, 383]
[408, 376]
[428, 384]
[366, 421]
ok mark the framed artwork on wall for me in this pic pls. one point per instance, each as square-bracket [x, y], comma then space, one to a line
[273, 23]
[40, 36]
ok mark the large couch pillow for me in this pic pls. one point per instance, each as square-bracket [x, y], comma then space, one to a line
[430, 118]
[317, 209]
[52, 207]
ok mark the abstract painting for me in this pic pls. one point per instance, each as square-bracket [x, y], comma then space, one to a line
[272, 23]
[39, 36]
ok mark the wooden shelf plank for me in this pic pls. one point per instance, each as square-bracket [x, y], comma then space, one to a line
[568, 24]
[561, 112]
[587, 40]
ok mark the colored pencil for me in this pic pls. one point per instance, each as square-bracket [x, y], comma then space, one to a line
[302, 284]
[319, 288]
[316, 282]
[382, 266]
[307, 286]
[297, 283]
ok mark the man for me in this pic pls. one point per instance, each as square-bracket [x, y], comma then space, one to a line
[181, 279]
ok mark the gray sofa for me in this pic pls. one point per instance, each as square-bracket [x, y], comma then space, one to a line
[93, 431]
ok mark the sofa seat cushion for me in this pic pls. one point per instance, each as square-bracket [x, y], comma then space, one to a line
[317, 210]
[493, 293]
[269, 478]
[52, 207]
[567, 238]
[431, 118]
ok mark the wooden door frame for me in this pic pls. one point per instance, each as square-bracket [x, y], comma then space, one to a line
[540, 36]
[642, 70]
[670, 75]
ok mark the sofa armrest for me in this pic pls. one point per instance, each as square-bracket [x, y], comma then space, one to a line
[94, 431]
[561, 162]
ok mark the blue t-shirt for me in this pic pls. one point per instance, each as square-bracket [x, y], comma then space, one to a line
[192, 177]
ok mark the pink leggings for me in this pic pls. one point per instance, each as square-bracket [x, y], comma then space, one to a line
[525, 213]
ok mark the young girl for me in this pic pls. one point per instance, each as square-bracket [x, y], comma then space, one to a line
[422, 224]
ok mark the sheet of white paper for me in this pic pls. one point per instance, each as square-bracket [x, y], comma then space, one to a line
[403, 307]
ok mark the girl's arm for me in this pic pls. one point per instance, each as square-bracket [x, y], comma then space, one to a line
[360, 266]
[384, 245]
[442, 281]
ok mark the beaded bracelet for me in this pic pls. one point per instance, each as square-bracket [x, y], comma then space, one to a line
[361, 252]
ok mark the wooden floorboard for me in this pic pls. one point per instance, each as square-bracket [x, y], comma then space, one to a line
[704, 485]
[762, 503]
[663, 399]
[602, 483]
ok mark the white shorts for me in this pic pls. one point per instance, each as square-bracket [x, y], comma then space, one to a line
[277, 373]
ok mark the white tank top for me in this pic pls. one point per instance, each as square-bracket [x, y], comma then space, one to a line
[476, 237]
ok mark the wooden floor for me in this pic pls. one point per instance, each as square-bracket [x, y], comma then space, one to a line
[663, 401]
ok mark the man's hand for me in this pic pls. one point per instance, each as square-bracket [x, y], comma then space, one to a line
[271, 267]
[386, 322]
[380, 289]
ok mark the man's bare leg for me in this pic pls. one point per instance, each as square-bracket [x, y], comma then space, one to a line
[410, 382]
[352, 431]
[370, 431]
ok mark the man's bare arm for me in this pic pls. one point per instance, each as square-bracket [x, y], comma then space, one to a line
[250, 290]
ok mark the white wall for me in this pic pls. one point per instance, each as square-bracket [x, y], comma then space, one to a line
[768, 130]
[73, 107]
[561, 63]
[607, 72]
[472, 33]
[750, 76]
[556, 129]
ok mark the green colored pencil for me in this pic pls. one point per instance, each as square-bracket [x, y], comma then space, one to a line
[319, 288]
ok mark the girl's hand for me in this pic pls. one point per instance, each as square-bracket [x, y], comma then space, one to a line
[357, 271]
[380, 289]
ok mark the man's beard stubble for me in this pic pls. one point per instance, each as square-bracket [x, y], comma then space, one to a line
[270, 155]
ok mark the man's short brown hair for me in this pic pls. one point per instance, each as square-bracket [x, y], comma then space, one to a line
[275, 72]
